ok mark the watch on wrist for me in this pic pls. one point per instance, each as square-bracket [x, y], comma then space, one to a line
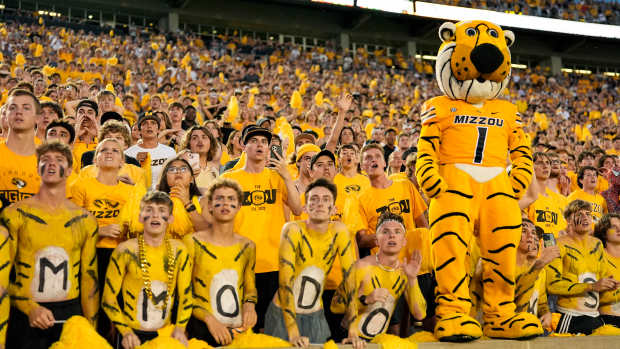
[191, 207]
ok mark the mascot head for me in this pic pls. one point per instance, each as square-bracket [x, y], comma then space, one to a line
[473, 63]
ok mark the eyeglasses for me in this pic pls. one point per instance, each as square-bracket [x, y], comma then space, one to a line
[175, 170]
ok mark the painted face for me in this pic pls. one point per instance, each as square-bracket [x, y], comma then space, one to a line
[320, 204]
[53, 167]
[225, 204]
[528, 244]
[155, 217]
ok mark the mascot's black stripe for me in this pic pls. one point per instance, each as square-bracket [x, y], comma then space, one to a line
[467, 196]
[506, 227]
[445, 264]
[426, 180]
[489, 260]
[508, 281]
[447, 215]
[501, 248]
[502, 194]
[469, 89]
[434, 185]
[449, 233]
[459, 284]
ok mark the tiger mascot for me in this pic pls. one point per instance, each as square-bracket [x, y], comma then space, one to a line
[467, 137]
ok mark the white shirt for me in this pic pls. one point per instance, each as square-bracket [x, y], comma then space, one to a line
[159, 155]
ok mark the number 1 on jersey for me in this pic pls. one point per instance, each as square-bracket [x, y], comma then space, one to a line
[480, 144]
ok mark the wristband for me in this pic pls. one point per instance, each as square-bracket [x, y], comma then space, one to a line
[190, 208]
[363, 300]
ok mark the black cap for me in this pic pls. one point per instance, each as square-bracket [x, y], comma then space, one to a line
[110, 115]
[323, 152]
[251, 131]
[88, 103]
[148, 116]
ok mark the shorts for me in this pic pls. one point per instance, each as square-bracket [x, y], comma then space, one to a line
[21, 335]
[611, 320]
[314, 326]
[578, 324]
[428, 284]
[198, 329]
[266, 284]
[334, 321]
[104, 325]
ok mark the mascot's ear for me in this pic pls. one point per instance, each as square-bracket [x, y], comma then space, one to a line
[447, 31]
[510, 37]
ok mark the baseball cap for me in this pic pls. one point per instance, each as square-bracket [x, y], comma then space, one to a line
[148, 116]
[251, 131]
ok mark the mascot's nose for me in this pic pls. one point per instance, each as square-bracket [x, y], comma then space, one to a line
[486, 58]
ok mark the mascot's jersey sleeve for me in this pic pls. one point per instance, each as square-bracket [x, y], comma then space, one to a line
[55, 257]
[223, 279]
[138, 311]
[471, 135]
[306, 257]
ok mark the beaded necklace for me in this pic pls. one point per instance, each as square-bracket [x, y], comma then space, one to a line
[146, 279]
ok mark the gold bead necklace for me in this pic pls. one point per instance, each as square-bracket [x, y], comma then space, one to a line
[146, 279]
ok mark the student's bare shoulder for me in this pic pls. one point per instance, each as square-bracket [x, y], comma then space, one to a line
[365, 262]
[243, 240]
[128, 245]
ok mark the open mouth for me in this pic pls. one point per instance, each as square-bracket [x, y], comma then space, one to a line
[391, 243]
[155, 224]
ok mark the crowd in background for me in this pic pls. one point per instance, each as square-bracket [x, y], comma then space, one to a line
[604, 12]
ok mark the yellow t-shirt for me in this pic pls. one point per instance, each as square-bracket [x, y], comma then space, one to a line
[132, 171]
[546, 212]
[105, 202]
[599, 204]
[19, 178]
[401, 198]
[218, 269]
[55, 258]
[262, 213]
[80, 148]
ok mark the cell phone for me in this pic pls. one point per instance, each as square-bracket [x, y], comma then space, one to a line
[194, 161]
[548, 239]
[276, 149]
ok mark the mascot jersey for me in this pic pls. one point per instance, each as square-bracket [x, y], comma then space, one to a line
[467, 136]
[223, 279]
[139, 311]
[373, 319]
[306, 257]
[55, 258]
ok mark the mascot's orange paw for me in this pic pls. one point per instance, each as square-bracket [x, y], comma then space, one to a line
[515, 326]
[457, 328]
